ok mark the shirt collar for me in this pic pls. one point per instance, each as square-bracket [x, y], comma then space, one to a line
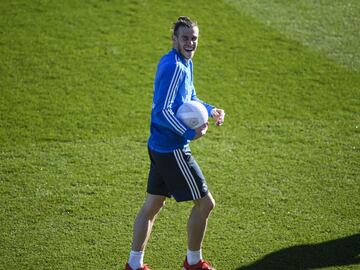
[183, 60]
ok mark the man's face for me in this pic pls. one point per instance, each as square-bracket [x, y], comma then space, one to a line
[185, 42]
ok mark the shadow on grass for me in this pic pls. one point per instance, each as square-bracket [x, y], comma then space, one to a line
[339, 252]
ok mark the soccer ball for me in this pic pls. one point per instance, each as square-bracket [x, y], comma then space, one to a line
[193, 114]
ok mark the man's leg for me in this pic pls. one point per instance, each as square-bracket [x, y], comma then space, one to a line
[197, 226]
[145, 220]
[143, 226]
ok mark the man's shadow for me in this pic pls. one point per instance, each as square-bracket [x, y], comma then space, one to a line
[343, 251]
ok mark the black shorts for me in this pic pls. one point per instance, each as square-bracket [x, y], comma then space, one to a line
[177, 175]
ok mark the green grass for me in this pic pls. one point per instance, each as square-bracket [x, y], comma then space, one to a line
[76, 83]
[331, 29]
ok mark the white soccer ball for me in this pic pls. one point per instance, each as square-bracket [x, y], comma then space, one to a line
[193, 114]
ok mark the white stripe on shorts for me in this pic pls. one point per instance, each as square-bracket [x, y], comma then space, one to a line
[187, 174]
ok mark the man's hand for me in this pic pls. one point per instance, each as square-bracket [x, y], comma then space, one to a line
[218, 115]
[201, 131]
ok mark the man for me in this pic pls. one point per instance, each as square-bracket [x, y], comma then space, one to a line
[173, 170]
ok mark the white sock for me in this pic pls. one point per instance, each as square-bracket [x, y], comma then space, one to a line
[193, 257]
[136, 259]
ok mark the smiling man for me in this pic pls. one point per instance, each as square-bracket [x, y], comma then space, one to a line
[173, 170]
[185, 40]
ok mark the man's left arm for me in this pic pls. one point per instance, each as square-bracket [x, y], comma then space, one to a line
[216, 113]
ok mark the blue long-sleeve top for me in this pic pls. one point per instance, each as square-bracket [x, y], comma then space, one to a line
[172, 87]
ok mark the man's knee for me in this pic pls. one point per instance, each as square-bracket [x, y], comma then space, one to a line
[206, 204]
[153, 204]
[210, 205]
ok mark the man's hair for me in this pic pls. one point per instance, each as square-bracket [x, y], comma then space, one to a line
[183, 21]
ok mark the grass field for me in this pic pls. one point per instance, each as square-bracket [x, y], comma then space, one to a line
[75, 98]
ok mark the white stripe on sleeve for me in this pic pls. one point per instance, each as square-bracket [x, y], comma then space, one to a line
[170, 97]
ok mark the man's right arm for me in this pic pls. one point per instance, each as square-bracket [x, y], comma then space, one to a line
[167, 87]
